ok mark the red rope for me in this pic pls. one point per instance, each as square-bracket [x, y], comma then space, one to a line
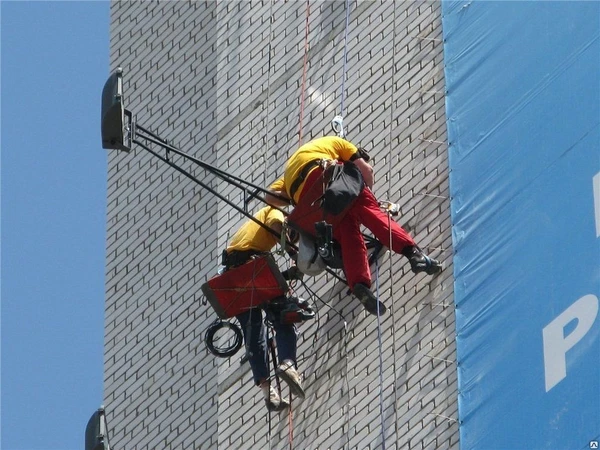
[302, 92]
[302, 89]
[291, 425]
[304, 72]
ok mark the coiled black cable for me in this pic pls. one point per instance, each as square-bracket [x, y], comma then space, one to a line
[223, 351]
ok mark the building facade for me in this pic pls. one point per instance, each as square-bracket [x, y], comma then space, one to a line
[240, 85]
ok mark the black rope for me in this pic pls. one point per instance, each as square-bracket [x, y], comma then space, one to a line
[317, 326]
[312, 293]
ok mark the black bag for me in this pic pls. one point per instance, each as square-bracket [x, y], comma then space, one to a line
[344, 187]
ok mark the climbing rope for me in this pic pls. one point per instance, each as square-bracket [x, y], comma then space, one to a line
[270, 350]
[269, 66]
[379, 338]
[345, 61]
[304, 66]
[337, 124]
[389, 215]
[393, 316]
[291, 424]
[315, 337]
[298, 360]
[346, 383]
[345, 392]
[300, 128]
[269, 412]
[249, 322]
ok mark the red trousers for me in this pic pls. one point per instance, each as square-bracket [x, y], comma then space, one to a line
[346, 230]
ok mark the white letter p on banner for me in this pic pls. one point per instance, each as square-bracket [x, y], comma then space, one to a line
[556, 344]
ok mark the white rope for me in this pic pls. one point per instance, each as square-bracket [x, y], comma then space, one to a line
[389, 194]
[345, 62]
[380, 357]
[346, 386]
[393, 314]
[267, 126]
[338, 121]
[265, 157]
[346, 383]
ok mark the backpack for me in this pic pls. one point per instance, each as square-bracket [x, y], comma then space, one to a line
[345, 185]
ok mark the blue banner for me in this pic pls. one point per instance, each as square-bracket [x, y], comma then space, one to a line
[523, 112]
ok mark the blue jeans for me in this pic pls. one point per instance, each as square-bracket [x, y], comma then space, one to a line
[257, 349]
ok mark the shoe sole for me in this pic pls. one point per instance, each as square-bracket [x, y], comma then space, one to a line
[371, 304]
[432, 270]
[294, 387]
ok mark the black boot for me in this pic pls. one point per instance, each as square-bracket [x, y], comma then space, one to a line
[420, 262]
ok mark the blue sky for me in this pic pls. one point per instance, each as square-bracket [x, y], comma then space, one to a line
[54, 61]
